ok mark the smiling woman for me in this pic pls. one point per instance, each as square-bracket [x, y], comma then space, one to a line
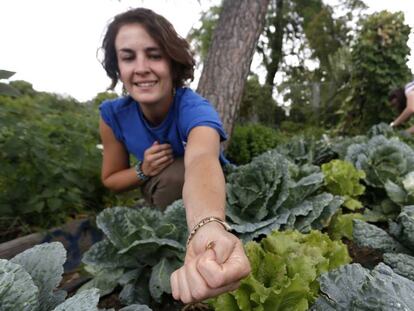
[175, 135]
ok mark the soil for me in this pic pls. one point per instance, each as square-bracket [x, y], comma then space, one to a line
[365, 256]
[112, 301]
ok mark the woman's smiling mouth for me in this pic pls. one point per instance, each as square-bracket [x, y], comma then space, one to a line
[145, 84]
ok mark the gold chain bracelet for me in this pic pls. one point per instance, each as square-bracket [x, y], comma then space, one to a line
[205, 221]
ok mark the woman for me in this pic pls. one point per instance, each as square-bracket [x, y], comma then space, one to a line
[402, 99]
[175, 134]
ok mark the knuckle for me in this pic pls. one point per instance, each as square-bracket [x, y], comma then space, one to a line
[186, 299]
[217, 281]
[201, 263]
[199, 293]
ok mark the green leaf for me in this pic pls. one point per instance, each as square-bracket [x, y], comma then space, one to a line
[105, 281]
[17, 290]
[83, 301]
[8, 90]
[285, 268]
[352, 204]
[5, 74]
[225, 302]
[342, 226]
[44, 263]
[160, 277]
[294, 296]
[367, 235]
[395, 192]
[104, 255]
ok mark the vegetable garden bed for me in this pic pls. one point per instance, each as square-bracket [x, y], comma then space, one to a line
[327, 225]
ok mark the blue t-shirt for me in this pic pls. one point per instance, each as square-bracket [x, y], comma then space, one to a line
[124, 116]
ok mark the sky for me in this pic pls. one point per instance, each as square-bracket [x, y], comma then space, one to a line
[53, 43]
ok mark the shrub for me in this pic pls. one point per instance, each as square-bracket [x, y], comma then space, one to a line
[252, 140]
[50, 166]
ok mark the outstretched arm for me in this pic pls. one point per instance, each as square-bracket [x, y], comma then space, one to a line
[408, 111]
[215, 260]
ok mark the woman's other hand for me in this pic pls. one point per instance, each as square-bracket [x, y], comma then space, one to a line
[156, 158]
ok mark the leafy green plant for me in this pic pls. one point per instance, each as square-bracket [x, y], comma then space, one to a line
[381, 159]
[50, 166]
[379, 63]
[401, 192]
[6, 89]
[285, 268]
[28, 282]
[271, 193]
[252, 140]
[352, 287]
[341, 225]
[143, 247]
[397, 244]
[342, 178]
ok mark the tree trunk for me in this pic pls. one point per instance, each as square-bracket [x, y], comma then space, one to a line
[228, 61]
[275, 44]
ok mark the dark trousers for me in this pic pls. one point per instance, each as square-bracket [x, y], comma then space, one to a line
[166, 187]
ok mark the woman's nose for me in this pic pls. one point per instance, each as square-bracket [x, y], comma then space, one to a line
[141, 65]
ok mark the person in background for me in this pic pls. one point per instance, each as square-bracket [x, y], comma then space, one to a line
[175, 135]
[402, 99]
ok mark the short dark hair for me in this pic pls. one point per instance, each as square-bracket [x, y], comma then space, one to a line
[399, 95]
[162, 31]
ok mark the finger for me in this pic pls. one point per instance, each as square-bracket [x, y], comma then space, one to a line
[213, 292]
[158, 155]
[235, 268]
[161, 161]
[199, 289]
[223, 250]
[185, 295]
[160, 168]
[158, 147]
[175, 290]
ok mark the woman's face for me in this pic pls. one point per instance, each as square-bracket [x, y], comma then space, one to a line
[144, 68]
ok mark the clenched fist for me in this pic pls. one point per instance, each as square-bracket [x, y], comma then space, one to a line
[156, 158]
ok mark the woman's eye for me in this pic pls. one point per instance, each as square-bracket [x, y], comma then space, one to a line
[127, 58]
[155, 56]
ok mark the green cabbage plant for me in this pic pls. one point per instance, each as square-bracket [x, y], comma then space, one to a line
[29, 281]
[285, 267]
[273, 193]
[143, 246]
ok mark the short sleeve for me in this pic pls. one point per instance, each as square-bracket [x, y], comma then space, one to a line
[197, 111]
[108, 114]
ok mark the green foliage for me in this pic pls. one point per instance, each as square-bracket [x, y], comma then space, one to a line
[352, 287]
[202, 36]
[271, 193]
[100, 97]
[257, 104]
[29, 282]
[7, 89]
[50, 166]
[382, 159]
[342, 225]
[379, 64]
[251, 140]
[23, 87]
[398, 239]
[285, 268]
[143, 247]
[342, 178]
